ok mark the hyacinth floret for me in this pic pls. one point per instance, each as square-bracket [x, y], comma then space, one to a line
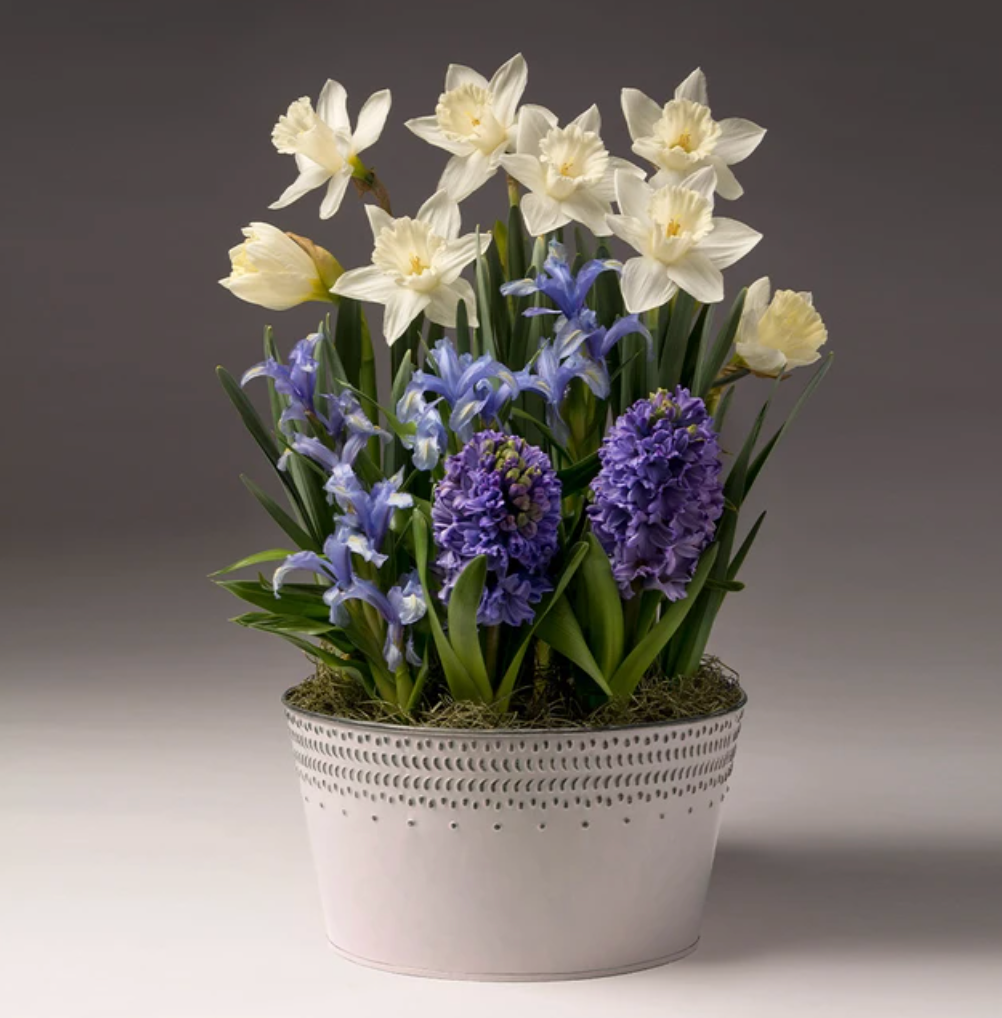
[658, 495]
[500, 498]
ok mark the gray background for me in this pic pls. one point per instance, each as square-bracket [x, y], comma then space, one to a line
[153, 859]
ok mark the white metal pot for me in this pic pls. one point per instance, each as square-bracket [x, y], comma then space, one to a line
[513, 855]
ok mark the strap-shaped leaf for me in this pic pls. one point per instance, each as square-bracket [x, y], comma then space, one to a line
[461, 685]
[562, 631]
[252, 422]
[269, 622]
[271, 555]
[462, 328]
[603, 608]
[301, 538]
[696, 345]
[579, 475]
[633, 669]
[676, 340]
[464, 603]
[289, 602]
[760, 460]
[485, 330]
[507, 685]
[347, 339]
[275, 399]
[714, 357]
[738, 561]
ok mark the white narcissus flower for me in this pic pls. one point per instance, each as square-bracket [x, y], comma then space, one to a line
[325, 147]
[680, 242]
[416, 266]
[683, 137]
[475, 121]
[567, 170]
[779, 334]
[277, 271]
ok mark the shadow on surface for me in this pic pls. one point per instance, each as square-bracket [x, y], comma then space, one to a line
[813, 899]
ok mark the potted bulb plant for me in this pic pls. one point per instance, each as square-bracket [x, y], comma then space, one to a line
[505, 557]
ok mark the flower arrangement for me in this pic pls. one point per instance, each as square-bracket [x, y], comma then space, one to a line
[537, 492]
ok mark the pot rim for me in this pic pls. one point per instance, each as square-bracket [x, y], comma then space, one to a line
[426, 731]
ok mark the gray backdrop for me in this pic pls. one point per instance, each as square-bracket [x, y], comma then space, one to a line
[136, 142]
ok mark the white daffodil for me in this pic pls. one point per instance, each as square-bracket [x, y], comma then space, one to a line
[475, 121]
[278, 270]
[682, 136]
[325, 147]
[680, 242]
[567, 170]
[416, 266]
[779, 334]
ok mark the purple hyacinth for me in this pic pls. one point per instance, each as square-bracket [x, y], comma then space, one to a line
[500, 498]
[658, 495]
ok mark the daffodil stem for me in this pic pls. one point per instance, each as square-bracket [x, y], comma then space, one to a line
[730, 376]
[367, 180]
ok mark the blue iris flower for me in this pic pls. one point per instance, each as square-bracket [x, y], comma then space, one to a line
[580, 345]
[297, 381]
[470, 388]
[362, 530]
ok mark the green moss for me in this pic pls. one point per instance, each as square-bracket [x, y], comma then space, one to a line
[712, 690]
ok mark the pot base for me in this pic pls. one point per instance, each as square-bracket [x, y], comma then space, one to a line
[515, 977]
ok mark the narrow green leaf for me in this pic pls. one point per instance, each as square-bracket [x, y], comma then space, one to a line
[516, 252]
[403, 376]
[726, 586]
[562, 631]
[579, 475]
[676, 340]
[288, 603]
[507, 685]
[695, 346]
[252, 422]
[462, 328]
[310, 488]
[300, 537]
[348, 339]
[269, 622]
[464, 603]
[419, 684]
[738, 561]
[271, 555]
[275, 399]
[720, 414]
[760, 460]
[603, 608]
[711, 363]
[485, 330]
[633, 669]
[461, 685]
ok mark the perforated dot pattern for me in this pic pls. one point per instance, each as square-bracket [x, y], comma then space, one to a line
[486, 772]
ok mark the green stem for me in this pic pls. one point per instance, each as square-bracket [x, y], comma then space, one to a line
[493, 641]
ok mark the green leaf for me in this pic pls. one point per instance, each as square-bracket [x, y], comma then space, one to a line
[562, 631]
[697, 342]
[271, 555]
[271, 623]
[633, 669]
[603, 608]
[738, 561]
[461, 685]
[516, 244]
[300, 537]
[464, 603]
[507, 685]
[275, 399]
[462, 328]
[291, 602]
[522, 415]
[720, 415]
[310, 488]
[579, 475]
[727, 586]
[403, 376]
[713, 359]
[347, 339]
[760, 460]
[676, 339]
[252, 422]
[485, 330]
[419, 684]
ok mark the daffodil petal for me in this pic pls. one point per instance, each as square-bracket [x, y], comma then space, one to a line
[371, 120]
[542, 214]
[694, 88]
[458, 75]
[367, 283]
[590, 120]
[335, 193]
[507, 86]
[402, 307]
[441, 213]
[699, 277]
[464, 174]
[727, 184]
[645, 285]
[738, 139]
[728, 242]
[640, 111]
[310, 178]
[332, 106]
